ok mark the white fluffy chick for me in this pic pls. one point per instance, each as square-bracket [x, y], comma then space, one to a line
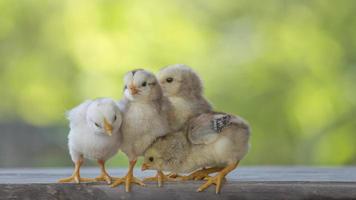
[94, 134]
[184, 89]
[215, 140]
[145, 118]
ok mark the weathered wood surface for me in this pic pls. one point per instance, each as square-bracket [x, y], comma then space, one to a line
[243, 183]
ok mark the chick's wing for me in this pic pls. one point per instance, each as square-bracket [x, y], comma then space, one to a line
[206, 128]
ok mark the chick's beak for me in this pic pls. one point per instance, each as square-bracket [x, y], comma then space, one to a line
[107, 127]
[133, 89]
[145, 166]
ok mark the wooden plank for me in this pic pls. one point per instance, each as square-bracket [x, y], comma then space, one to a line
[305, 174]
[244, 183]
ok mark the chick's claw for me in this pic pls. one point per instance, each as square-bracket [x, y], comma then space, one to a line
[216, 180]
[160, 178]
[106, 178]
[137, 181]
[219, 178]
[173, 175]
[202, 174]
[127, 180]
[150, 179]
[195, 176]
[75, 179]
[131, 179]
[118, 182]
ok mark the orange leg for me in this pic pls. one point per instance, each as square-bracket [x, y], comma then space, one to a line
[76, 174]
[129, 178]
[104, 176]
[201, 174]
[218, 179]
[160, 178]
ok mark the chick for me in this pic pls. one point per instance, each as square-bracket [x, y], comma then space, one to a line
[215, 140]
[184, 89]
[145, 118]
[94, 134]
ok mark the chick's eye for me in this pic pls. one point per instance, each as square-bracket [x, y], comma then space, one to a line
[144, 84]
[97, 125]
[150, 159]
[115, 118]
[169, 80]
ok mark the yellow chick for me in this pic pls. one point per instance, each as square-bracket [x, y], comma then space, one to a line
[215, 140]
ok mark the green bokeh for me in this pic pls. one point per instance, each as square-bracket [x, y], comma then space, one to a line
[288, 67]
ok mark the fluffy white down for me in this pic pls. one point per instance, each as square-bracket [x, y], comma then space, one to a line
[92, 146]
[84, 141]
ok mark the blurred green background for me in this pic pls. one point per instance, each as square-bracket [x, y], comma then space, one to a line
[287, 66]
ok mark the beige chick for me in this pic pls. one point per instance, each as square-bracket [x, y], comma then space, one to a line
[184, 89]
[215, 140]
[145, 118]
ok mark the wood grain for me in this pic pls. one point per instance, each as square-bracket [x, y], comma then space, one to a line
[244, 183]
